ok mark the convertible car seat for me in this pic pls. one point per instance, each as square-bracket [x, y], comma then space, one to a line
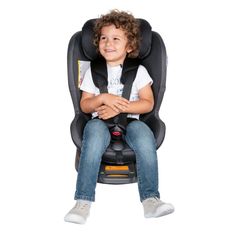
[118, 162]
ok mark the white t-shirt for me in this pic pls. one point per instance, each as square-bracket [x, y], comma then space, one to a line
[115, 86]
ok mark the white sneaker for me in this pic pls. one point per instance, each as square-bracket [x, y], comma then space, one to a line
[154, 207]
[79, 213]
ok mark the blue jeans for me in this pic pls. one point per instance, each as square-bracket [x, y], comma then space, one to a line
[96, 138]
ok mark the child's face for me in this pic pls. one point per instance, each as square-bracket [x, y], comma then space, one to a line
[113, 45]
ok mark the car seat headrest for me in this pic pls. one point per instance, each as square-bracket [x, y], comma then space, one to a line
[90, 49]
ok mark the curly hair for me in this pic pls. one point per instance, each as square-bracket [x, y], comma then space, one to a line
[126, 22]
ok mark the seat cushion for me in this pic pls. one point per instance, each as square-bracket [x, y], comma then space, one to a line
[126, 155]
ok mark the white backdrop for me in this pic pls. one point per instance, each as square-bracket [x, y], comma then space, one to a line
[196, 160]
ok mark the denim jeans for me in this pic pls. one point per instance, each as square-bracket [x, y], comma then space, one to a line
[96, 138]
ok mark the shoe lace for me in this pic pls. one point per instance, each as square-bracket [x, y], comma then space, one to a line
[82, 206]
[155, 201]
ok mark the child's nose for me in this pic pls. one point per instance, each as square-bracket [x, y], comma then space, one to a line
[108, 42]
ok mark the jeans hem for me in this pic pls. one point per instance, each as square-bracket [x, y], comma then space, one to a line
[149, 196]
[82, 197]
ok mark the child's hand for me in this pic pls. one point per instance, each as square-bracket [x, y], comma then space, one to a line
[105, 112]
[117, 103]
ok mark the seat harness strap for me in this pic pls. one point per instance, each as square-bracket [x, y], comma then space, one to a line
[99, 75]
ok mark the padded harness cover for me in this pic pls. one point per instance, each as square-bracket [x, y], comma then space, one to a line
[99, 75]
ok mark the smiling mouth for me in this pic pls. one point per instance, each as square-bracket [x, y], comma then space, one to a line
[109, 50]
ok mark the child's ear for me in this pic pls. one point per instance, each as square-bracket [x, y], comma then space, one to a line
[129, 50]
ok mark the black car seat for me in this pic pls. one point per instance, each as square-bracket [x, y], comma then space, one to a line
[118, 162]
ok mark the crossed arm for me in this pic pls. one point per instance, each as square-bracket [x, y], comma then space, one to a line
[109, 105]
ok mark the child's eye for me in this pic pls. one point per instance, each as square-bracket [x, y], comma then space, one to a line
[102, 38]
[116, 39]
